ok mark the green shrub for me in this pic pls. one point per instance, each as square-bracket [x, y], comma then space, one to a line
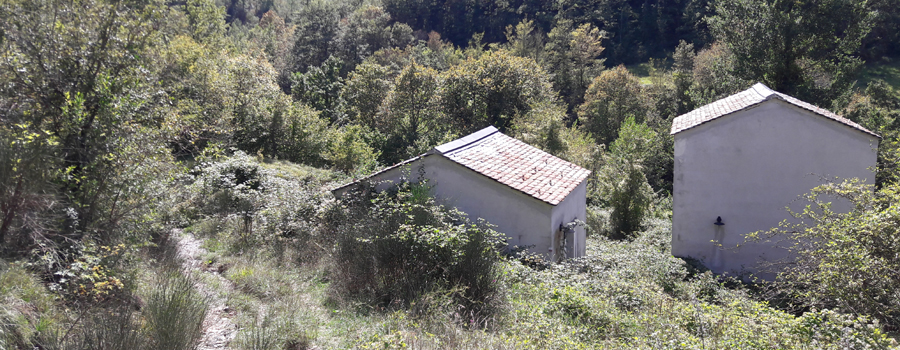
[112, 328]
[397, 247]
[349, 152]
[297, 135]
[26, 307]
[254, 201]
[279, 329]
[846, 261]
[174, 312]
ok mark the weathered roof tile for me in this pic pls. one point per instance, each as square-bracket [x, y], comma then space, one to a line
[516, 164]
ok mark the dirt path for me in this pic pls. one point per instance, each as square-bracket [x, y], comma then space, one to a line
[218, 329]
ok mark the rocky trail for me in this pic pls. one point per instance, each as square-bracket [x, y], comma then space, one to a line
[218, 328]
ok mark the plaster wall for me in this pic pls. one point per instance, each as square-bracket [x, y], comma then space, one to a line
[524, 219]
[747, 167]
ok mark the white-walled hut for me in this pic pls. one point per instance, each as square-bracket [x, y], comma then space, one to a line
[740, 161]
[530, 195]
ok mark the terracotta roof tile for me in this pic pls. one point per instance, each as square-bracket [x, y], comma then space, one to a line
[517, 165]
[748, 98]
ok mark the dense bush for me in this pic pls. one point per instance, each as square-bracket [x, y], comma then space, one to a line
[846, 261]
[252, 200]
[492, 90]
[174, 312]
[397, 247]
[630, 295]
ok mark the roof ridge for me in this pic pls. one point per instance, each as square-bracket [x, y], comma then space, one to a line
[755, 95]
[466, 140]
[764, 91]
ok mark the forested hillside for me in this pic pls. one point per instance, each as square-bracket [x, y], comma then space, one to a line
[165, 167]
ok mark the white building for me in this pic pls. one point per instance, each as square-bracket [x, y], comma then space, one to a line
[747, 157]
[527, 193]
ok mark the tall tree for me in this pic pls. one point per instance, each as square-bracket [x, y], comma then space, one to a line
[613, 96]
[803, 48]
[492, 90]
[72, 73]
[573, 59]
[318, 26]
[413, 123]
[320, 87]
[884, 39]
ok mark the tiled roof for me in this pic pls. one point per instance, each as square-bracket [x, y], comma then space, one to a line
[753, 96]
[516, 164]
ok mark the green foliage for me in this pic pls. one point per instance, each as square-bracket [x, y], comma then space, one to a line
[366, 31]
[206, 21]
[87, 272]
[274, 332]
[26, 307]
[349, 152]
[394, 249]
[613, 96]
[26, 164]
[320, 87]
[628, 294]
[682, 77]
[72, 72]
[713, 75]
[846, 261]
[492, 90]
[461, 20]
[250, 201]
[621, 182]
[171, 316]
[875, 109]
[524, 40]
[175, 313]
[275, 38]
[299, 134]
[201, 87]
[95, 95]
[366, 88]
[434, 53]
[573, 59]
[317, 27]
[804, 49]
[409, 115]
[881, 42]
[543, 127]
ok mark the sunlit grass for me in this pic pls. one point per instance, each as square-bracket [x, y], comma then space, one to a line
[885, 69]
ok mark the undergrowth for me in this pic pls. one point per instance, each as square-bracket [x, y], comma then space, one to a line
[385, 272]
[396, 270]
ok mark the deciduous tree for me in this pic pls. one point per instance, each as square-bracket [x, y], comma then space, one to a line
[613, 96]
[805, 49]
[491, 90]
